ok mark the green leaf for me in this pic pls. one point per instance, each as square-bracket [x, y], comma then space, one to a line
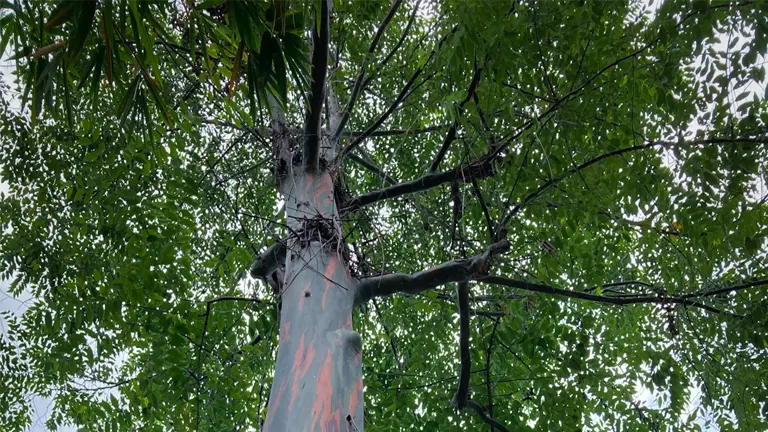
[126, 105]
[154, 91]
[264, 64]
[6, 25]
[63, 12]
[98, 59]
[207, 4]
[280, 72]
[236, 65]
[86, 13]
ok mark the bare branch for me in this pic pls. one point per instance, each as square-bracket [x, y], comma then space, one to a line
[727, 290]
[545, 186]
[361, 74]
[395, 132]
[451, 135]
[398, 100]
[458, 270]
[488, 220]
[619, 301]
[320, 38]
[478, 169]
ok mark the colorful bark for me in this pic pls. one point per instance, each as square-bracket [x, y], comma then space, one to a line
[318, 373]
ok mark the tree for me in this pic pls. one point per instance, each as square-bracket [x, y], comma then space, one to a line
[589, 176]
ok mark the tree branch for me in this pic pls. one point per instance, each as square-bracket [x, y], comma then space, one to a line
[451, 135]
[361, 74]
[389, 335]
[372, 168]
[481, 412]
[398, 100]
[527, 93]
[488, 220]
[399, 43]
[462, 389]
[620, 284]
[457, 270]
[320, 38]
[488, 352]
[478, 169]
[334, 114]
[545, 186]
[726, 290]
[269, 260]
[395, 132]
[619, 301]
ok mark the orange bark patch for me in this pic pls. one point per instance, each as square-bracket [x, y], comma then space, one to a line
[285, 332]
[329, 271]
[310, 181]
[323, 190]
[321, 409]
[280, 393]
[357, 394]
[333, 424]
[301, 363]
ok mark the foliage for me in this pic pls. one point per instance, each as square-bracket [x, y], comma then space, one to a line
[140, 187]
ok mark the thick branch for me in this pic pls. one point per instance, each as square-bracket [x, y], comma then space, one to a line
[451, 135]
[479, 169]
[320, 38]
[460, 398]
[361, 74]
[458, 270]
[269, 260]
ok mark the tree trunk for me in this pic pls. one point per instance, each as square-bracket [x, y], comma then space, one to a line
[317, 384]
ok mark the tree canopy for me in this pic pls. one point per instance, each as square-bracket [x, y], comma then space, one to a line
[587, 180]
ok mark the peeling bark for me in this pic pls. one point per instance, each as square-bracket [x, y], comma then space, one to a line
[318, 373]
